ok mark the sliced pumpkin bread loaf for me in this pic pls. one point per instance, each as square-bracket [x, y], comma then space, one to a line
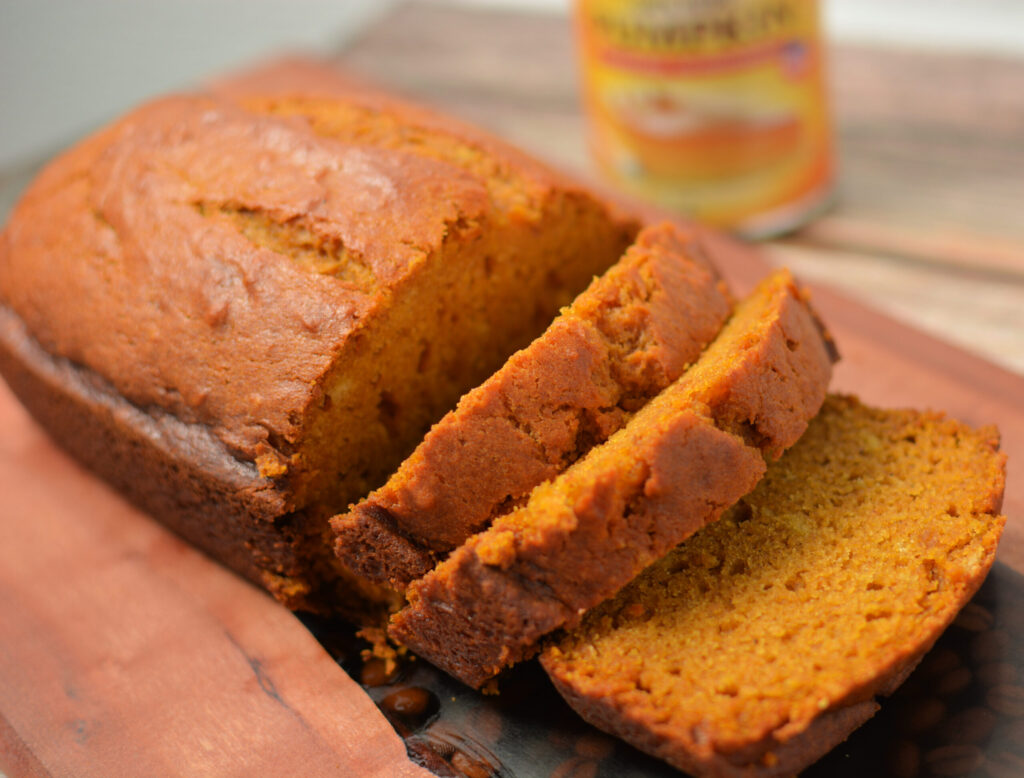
[691, 452]
[761, 643]
[623, 340]
[244, 313]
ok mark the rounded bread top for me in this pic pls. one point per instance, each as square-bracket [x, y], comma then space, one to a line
[302, 84]
[213, 262]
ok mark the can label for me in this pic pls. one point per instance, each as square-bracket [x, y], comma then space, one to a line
[712, 107]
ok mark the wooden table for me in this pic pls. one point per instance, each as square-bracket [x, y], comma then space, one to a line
[124, 652]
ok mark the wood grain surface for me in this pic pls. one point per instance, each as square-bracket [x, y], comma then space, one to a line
[125, 652]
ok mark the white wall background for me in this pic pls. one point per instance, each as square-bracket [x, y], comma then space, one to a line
[984, 26]
[68, 65]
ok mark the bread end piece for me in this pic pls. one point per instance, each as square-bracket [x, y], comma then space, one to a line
[765, 639]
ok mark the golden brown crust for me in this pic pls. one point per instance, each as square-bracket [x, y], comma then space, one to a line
[262, 275]
[149, 282]
[133, 450]
[759, 644]
[686, 456]
[787, 758]
[624, 339]
[297, 84]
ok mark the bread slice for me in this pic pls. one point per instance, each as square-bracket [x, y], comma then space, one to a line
[623, 340]
[300, 285]
[761, 643]
[681, 460]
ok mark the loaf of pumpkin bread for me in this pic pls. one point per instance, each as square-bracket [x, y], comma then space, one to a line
[683, 458]
[627, 337]
[245, 311]
[761, 642]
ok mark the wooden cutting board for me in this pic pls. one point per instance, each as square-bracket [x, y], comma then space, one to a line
[125, 652]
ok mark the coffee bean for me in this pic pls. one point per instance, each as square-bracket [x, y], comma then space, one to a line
[939, 662]
[990, 646]
[924, 714]
[974, 725]
[953, 760]
[1007, 699]
[904, 759]
[375, 673]
[996, 673]
[408, 702]
[974, 618]
[410, 708]
[430, 756]
[954, 681]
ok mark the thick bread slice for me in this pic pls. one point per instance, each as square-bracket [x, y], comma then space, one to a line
[760, 643]
[627, 337]
[686, 456]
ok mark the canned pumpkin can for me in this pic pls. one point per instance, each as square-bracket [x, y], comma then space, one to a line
[715, 108]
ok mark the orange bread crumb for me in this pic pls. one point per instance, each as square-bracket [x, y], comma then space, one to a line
[687, 455]
[623, 340]
[761, 642]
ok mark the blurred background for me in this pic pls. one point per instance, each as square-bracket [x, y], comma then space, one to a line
[68, 65]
